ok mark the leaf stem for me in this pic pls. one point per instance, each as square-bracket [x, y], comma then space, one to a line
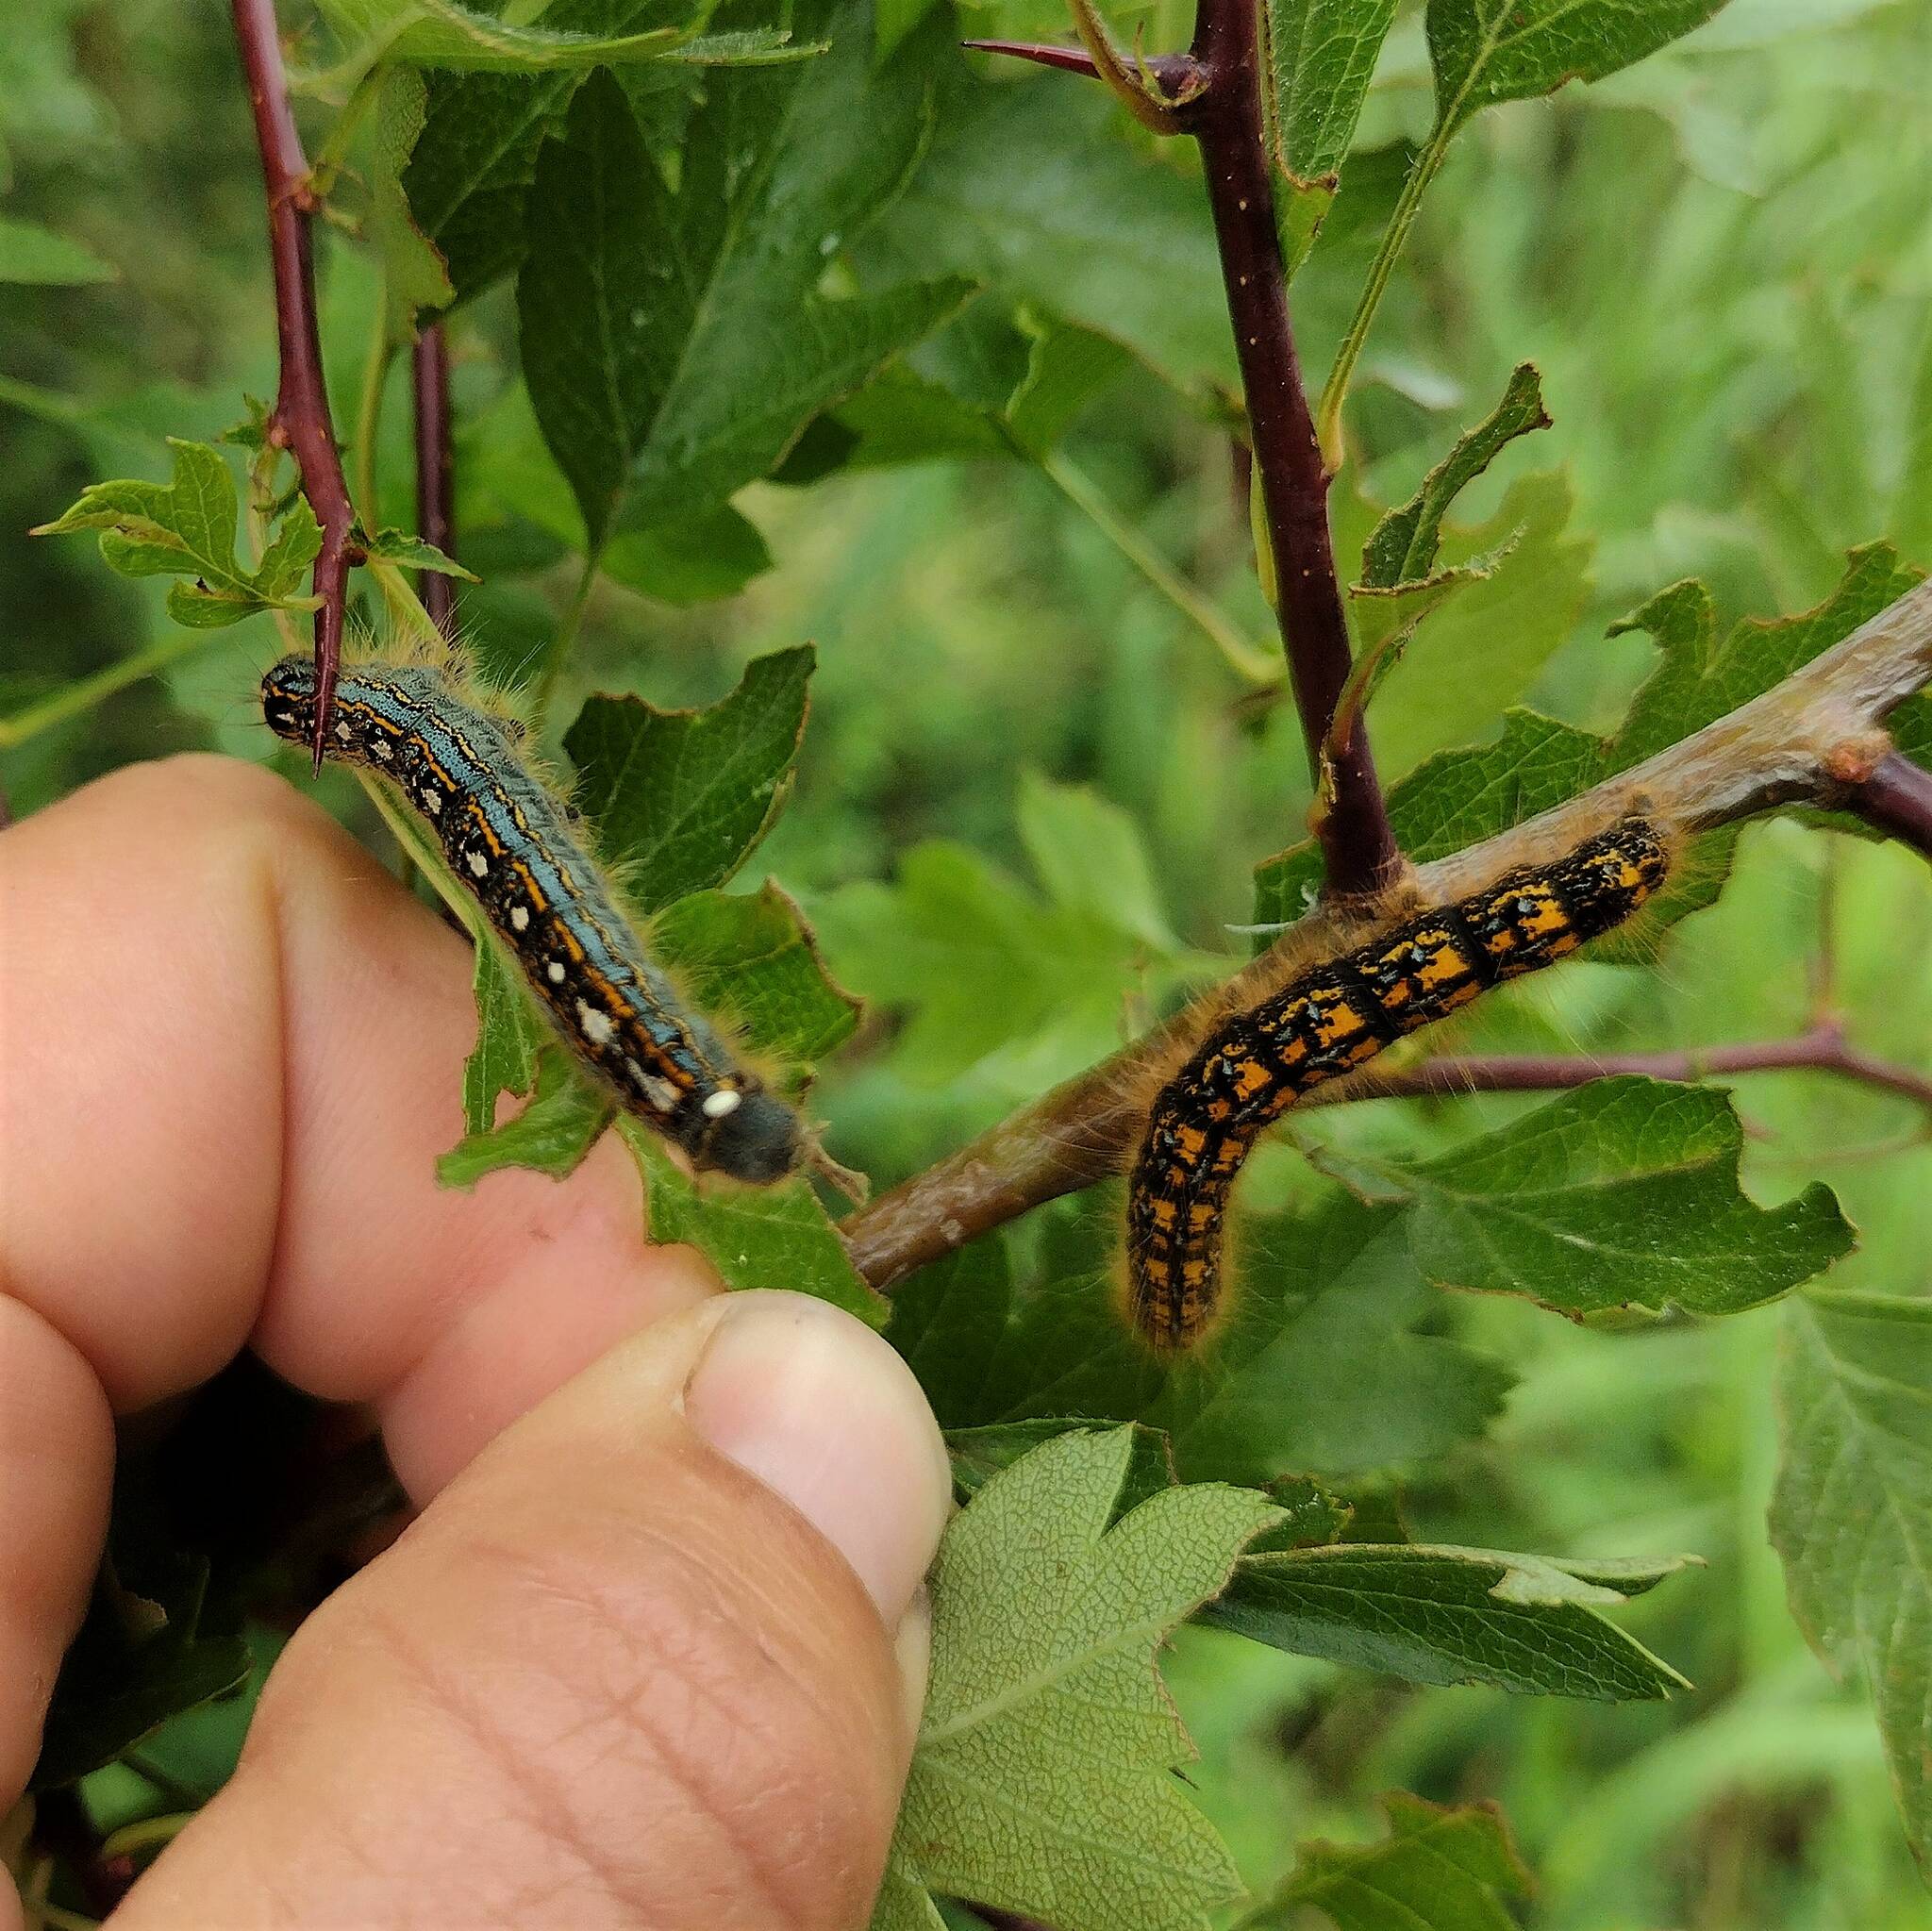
[557, 652]
[1247, 659]
[300, 421]
[1335, 392]
[375, 365]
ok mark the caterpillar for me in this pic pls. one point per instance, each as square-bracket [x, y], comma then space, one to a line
[1330, 1018]
[512, 845]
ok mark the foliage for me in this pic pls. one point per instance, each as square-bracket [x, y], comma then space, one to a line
[780, 333]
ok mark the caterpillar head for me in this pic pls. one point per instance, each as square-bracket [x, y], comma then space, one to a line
[757, 1137]
[288, 699]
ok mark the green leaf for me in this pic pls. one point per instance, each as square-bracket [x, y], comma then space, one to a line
[756, 1237]
[1029, 188]
[411, 553]
[1851, 1516]
[675, 344]
[1529, 1625]
[752, 962]
[185, 528]
[413, 275]
[440, 33]
[1486, 51]
[1321, 57]
[1621, 1194]
[564, 1120]
[1402, 548]
[29, 253]
[1042, 1778]
[141, 1658]
[1438, 1870]
[510, 1034]
[681, 797]
[1314, 1370]
[1089, 856]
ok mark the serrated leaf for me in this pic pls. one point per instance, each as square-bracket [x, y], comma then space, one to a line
[29, 253]
[756, 1237]
[1402, 548]
[751, 961]
[1851, 1516]
[675, 344]
[1486, 51]
[1621, 1194]
[1438, 1870]
[185, 528]
[141, 1658]
[409, 552]
[413, 275]
[441, 33]
[1040, 1781]
[1314, 1369]
[565, 1118]
[1321, 57]
[1529, 1625]
[681, 797]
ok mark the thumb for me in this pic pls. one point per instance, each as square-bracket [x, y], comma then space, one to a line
[635, 1666]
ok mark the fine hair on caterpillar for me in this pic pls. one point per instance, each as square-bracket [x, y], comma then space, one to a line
[1245, 1066]
[519, 850]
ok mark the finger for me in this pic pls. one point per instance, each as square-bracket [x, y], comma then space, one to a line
[631, 1668]
[230, 1050]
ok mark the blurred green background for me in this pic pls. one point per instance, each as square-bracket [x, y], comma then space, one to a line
[1722, 262]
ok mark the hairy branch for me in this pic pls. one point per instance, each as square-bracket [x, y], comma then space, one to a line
[1824, 1049]
[300, 423]
[435, 469]
[1812, 738]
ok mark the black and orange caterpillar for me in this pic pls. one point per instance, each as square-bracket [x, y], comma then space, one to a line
[1330, 1018]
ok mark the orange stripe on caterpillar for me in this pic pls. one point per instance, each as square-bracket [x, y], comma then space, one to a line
[1329, 1019]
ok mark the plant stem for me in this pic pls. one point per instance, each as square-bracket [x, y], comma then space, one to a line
[1788, 745]
[1335, 392]
[1248, 661]
[435, 468]
[73, 699]
[300, 422]
[1897, 798]
[1359, 850]
[557, 652]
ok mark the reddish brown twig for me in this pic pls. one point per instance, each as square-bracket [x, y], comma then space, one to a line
[300, 422]
[1822, 1049]
[1216, 93]
[1897, 798]
[435, 469]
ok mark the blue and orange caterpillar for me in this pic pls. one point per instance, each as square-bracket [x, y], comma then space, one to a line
[514, 847]
[1329, 1019]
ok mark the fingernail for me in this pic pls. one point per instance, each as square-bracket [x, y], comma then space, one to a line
[807, 1398]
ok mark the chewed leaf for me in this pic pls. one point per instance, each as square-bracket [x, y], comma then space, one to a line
[1042, 1778]
[411, 553]
[185, 528]
[565, 1118]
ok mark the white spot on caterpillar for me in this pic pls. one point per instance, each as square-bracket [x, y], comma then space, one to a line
[432, 801]
[480, 865]
[520, 918]
[721, 1102]
[553, 972]
[342, 729]
[661, 1094]
[599, 1028]
[384, 749]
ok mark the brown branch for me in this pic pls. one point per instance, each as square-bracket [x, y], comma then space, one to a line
[1215, 90]
[435, 469]
[1359, 850]
[1789, 745]
[1824, 1049]
[1896, 796]
[300, 422]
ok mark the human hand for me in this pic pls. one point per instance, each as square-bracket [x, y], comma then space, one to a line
[653, 1652]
